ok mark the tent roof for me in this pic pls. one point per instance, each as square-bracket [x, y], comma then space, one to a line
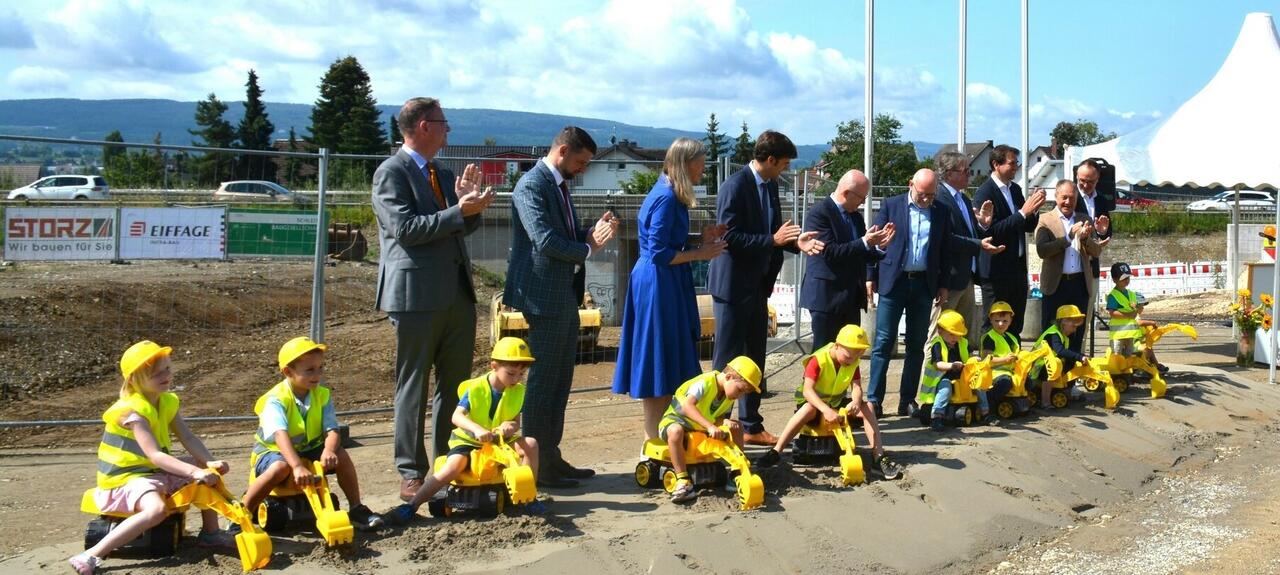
[1225, 135]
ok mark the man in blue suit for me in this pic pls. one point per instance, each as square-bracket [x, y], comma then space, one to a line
[741, 278]
[545, 280]
[834, 289]
[970, 228]
[909, 279]
[1004, 275]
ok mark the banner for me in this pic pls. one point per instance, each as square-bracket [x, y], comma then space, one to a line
[262, 232]
[59, 233]
[172, 233]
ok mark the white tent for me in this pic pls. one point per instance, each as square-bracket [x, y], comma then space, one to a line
[1225, 135]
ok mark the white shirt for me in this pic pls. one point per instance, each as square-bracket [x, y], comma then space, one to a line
[1008, 198]
[1071, 258]
[1089, 205]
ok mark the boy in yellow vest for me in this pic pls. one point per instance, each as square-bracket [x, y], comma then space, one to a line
[829, 373]
[488, 407]
[701, 404]
[297, 425]
[1140, 303]
[948, 352]
[1003, 347]
[1067, 320]
[1122, 303]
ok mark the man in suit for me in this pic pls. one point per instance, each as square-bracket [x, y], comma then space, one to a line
[741, 278]
[833, 288]
[546, 278]
[1003, 276]
[969, 229]
[909, 279]
[1068, 247]
[1090, 206]
[424, 280]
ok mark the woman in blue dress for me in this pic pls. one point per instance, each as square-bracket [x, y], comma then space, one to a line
[658, 349]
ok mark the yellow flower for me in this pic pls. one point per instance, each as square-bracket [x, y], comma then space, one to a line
[1235, 307]
[1243, 293]
[1266, 299]
[1266, 322]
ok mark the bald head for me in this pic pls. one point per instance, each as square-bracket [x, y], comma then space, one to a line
[851, 190]
[924, 187]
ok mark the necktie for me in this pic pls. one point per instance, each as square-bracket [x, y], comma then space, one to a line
[435, 186]
[568, 208]
[766, 205]
[848, 220]
[966, 210]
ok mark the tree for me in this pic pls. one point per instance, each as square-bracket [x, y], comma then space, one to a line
[394, 132]
[1079, 133]
[640, 182]
[255, 134]
[111, 154]
[744, 149]
[291, 162]
[214, 132]
[490, 141]
[345, 117]
[717, 145]
[893, 161]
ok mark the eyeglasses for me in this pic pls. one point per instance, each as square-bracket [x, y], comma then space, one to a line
[1014, 163]
[1087, 181]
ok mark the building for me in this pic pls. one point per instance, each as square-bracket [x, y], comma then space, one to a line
[18, 175]
[500, 166]
[615, 164]
[979, 155]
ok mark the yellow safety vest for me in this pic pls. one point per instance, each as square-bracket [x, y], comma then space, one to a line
[1005, 344]
[832, 381]
[713, 405]
[1038, 368]
[305, 435]
[929, 383]
[120, 458]
[1125, 328]
[480, 396]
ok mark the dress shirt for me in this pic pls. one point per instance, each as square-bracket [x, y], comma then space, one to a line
[1008, 198]
[1071, 258]
[918, 246]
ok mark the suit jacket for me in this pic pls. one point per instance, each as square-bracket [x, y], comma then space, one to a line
[968, 242]
[940, 249]
[547, 269]
[1051, 246]
[1082, 211]
[423, 264]
[749, 266]
[834, 280]
[1008, 228]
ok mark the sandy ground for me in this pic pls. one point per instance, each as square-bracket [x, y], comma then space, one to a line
[1185, 484]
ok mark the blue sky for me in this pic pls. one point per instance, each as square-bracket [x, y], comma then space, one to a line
[793, 66]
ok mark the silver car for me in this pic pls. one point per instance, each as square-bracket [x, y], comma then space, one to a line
[63, 188]
[255, 191]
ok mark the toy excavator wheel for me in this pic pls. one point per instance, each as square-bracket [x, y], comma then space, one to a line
[1091, 385]
[963, 416]
[669, 480]
[273, 514]
[750, 491]
[1004, 409]
[925, 414]
[851, 472]
[438, 507]
[647, 474]
[500, 501]
[1022, 405]
[1121, 384]
[1058, 398]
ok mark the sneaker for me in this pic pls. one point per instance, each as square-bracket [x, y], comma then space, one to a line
[85, 564]
[769, 459]
[215, 540]
[536, 507]
[683, 492]
[400, 514]
[936, 425]
[1162, 368]
[886, 468]
[365, 519]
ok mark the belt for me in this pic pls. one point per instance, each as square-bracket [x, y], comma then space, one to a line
[1072, 276]
[913, 275]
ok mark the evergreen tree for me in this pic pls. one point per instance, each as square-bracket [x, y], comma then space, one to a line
[112, 154]
[291, 162]
[345, 117]
[255, 134]
[744, 149]
[394, 133]
[214, 132]
[717, 145]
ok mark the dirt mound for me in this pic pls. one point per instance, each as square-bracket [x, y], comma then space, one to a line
[469, 538]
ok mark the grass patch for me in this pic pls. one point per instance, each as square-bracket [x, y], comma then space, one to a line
[1160, 222]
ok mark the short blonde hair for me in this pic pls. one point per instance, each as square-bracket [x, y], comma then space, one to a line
[679, 155]
[133, 383]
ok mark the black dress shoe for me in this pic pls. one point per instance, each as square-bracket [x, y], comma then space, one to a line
[571, 472]
[556, 481]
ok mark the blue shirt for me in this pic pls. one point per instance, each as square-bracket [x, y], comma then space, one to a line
[917, 239]
[465, 401]
[273, 419]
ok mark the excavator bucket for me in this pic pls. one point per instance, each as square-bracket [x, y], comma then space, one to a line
[253, 545]
[333, 524]
[1157, 387]
[1112, 396]
[851, 472]
[750, 490]
[520, 484]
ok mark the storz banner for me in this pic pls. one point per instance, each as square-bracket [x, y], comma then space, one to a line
[173, 233]
[60, 233]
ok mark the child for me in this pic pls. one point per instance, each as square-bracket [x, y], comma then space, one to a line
[948, 352]
[296, 426]
[1067, 320]
[828, 374]
[701, 404]
[488, 406]
[135, 471]
[1122, 303]
[1003, 348]
[1139, 304]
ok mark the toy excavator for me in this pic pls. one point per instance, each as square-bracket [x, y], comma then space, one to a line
[823, 440]
[288, 502]
[1121, 367]
[1016, 401]
[495, 477]
[962, 409]
[252, 544]
[706, 460]
[1091, 373]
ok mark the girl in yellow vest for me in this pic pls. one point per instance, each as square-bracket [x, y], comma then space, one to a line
[1066, 321]
[831, 381]
[488, 407]
[701, 404]
[1003, 347]
[948, 352]
[298, 425]
[135, 471]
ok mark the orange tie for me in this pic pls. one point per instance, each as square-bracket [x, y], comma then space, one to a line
[435, 186]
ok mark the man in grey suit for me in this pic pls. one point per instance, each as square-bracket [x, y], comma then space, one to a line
[545, 280]
[424, 280]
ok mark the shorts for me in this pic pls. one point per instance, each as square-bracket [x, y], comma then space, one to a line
[124, 499]
[817, 417]
[266, 459]
[1123, 347]
[463, 449]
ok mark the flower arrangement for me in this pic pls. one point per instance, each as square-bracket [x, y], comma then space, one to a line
[1248, 316]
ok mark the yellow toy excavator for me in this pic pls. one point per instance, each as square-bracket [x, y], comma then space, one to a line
[821, 440]
[1016, 402]
[288, 502]
[495, 478]
[708, 461]
[1121, 366]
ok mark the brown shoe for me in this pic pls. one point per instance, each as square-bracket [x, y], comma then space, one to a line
[762, 438]
[409, 488]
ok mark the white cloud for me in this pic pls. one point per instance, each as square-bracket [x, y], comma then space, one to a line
[38, 80]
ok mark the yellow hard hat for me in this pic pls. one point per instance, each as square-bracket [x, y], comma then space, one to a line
[852, 337]
[139, 354]
[1069, 312]
[1000, 307]
[511, 349]
[953, 322]
[296, 348]
[748, 370]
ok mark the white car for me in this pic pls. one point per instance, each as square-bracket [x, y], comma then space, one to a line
[254, 191]
[1225, 201]
[63, 188]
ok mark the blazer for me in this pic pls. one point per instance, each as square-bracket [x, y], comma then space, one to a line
[834, 280]
[546, 271]
[1082, 211]
[941, 248]
[968, 243]
[749, 266]
[423, 264]
[1008, 228]
[1051, 246]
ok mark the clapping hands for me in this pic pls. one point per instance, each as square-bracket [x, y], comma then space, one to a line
[471, 199]
[606, 227]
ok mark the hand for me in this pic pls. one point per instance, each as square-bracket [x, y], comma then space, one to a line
[329, 460]
[1103, 243]
[469, 182]
[1076, 229]
[984, 214]
[942, 296]
[716, 433]
[508, 429]
[475, 201]
[957, 365]
[809, 243]
[712, 234]
[1010, 357]
[893, 230]
[786, 234]
[205, 477]
[485, 437]
[708, 251]
[1033, 203]
[877, 236]
[302, 476]
[606, 227]
[991, 248]
[1103, 225]
[830, 415]
[217, 465]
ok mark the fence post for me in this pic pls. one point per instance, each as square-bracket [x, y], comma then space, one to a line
[798, 192]
[322, 250]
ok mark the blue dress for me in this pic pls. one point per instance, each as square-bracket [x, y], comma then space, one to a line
[658, 348]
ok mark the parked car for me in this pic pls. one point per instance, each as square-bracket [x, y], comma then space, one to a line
[255, 191]
[1127, 200]
[63, 188]
[1223, 202]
